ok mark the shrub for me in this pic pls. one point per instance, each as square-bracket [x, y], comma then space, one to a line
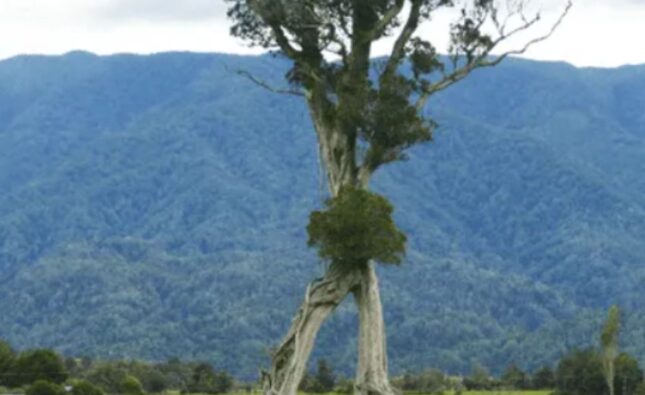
[85, 388]
[34, 365]
[42, 387]
[131, 386]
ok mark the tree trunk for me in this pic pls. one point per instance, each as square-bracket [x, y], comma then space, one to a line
[290, 359]
[372, 375]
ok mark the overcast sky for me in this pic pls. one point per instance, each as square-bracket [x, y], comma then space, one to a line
[602, 33]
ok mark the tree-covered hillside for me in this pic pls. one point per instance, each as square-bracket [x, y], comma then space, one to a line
[156, 206]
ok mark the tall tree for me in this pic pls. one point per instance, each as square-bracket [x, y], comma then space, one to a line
[366, 113]
[609, 346]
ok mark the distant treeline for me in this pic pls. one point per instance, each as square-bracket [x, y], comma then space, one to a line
[44, 372]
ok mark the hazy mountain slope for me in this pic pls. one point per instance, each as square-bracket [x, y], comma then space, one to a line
[155, 206]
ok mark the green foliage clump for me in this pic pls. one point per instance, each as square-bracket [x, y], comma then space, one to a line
[514, 377]
[206, 380]
[43, 387]
[131, 386]
[85, 388]
[33, 365]
[356, 227]
[108, 376]
[480, 379]
[543, 379]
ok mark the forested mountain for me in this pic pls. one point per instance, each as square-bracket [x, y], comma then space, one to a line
[155, 206]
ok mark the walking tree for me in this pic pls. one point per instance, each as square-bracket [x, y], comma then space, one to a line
[366, 113]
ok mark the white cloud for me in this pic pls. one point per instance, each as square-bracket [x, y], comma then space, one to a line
[151, 10]
[597, 32]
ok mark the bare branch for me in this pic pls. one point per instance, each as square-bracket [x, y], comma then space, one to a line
[482, 59]
[265, 85]
[398, 51]
[536, 40]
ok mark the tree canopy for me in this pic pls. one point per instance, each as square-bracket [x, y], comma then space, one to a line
[375, 104]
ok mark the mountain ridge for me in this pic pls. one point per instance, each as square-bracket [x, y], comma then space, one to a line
[154, 206]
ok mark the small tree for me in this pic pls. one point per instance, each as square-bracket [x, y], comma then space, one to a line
[479, 379]
[206, 380]
[83, 387]
[223, 382]
[543, 379]
[432, 381]
[131, 386]
[34, 365]
[514, 377]
[177, 375]
[154, 381]
[580, 373]
[108, 376]
[42, 387]
[325, 378]
[609, 347]
[7, 357]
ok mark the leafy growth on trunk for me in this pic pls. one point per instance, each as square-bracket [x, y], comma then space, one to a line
[356, 227]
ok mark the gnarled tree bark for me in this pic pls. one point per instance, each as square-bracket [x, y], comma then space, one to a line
[321, 298]
[291, 357]
[372, 373]
[289, 363]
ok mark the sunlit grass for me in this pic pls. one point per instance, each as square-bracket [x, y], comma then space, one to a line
[495, 392]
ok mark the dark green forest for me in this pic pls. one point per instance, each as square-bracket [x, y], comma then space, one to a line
[155, 206]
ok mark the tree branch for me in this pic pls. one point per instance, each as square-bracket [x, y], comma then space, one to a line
[481, 60]
[387, 19]
[283, 42]
[265, 85]
[398, 51]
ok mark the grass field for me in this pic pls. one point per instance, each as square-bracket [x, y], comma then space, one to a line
[498, 392]
[506, 393]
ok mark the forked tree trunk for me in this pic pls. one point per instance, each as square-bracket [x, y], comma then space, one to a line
[290, 360]
[321, 298]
